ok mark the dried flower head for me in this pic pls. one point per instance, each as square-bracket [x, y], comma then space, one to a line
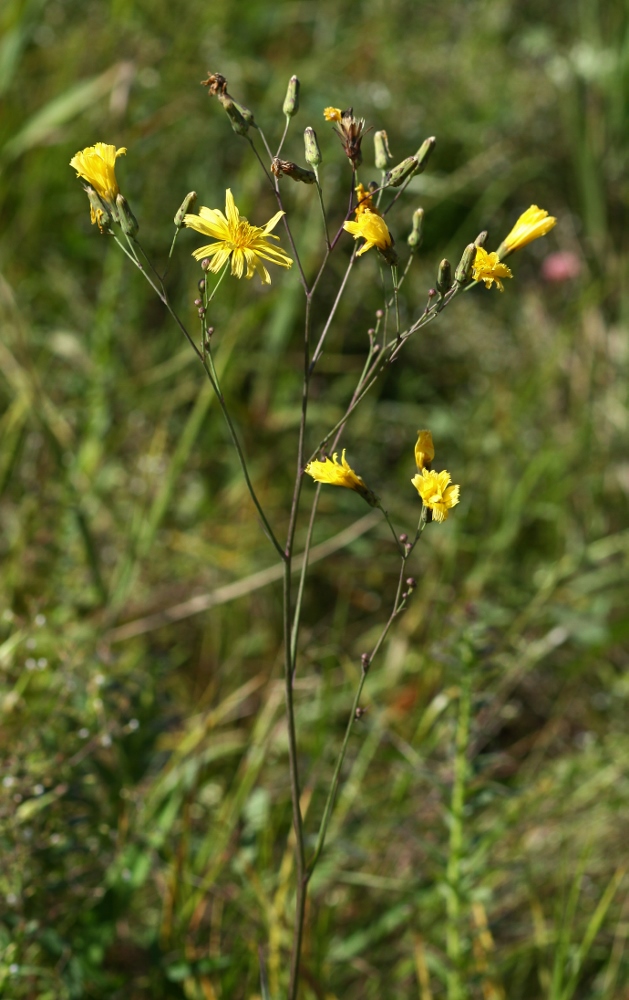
[235, 237]
[216, 84]
[279, 167]
[351, 132]
[488, 268]
[532, 224]
[340, 474]
[436, 492]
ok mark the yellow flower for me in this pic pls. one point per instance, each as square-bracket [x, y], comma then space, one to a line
[97, 165]
[332, 114]
[487, 268]
[436, 493]
[532, 224]
[424, 450]
[373, 230]
[364, 202]
[340, 474]
[238, 239]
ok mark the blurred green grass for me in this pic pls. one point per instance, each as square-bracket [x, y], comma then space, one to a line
[144, 806]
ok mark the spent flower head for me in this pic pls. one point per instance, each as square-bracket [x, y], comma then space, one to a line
[532, 224]
[97, 165]
[351, 132]
[340, 474]
[488, 268]
[235, 237]
[436, 492]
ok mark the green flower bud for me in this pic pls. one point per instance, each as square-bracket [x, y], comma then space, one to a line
[313, 153]
[186, 205]
[416, 236]
[404, 170]
[246, 113]
[480, 239]
[236, 118]
[444, 277]
[463, 272]
[128, 221]
[424, 153]
[381, 149]
[291, 101]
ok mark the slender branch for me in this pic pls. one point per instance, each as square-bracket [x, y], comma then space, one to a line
[284, 134]
[210, 371]
[318, 349]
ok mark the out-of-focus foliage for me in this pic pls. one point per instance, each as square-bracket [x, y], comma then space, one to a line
[144, 806]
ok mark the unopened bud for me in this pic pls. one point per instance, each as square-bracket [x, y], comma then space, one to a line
[313, 153]
[480, 239]
[246, 113]
[444, 277]
[186, 205]
[279, 167]
[463, 272]
[411, 582]
[400, 173]
[291, 101]
[403, 537]
[236, 118]
[416, 236]
[381, 149]
[201, 284]
[424, 153]
[205, 263]
[128, 221]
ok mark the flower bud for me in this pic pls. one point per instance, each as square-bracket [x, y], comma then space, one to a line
[415, 238]
[381, 149]
[186, 205]
[279, 167]
[480, 239]
[291, 101]
[246, 113]
[236, 118]
[444, 277]
[313, 153]
[404, 170]
[128, 221]
[424, 153]
[463, 272]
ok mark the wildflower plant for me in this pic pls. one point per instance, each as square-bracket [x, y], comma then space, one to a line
[243, 248]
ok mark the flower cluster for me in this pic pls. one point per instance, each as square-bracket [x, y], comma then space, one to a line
[435, 488]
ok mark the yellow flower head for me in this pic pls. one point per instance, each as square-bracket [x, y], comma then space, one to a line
[364, 202]
[340, 474]
[487, 268]
[532, 224]
[435, 490]
[97, 165]
[238, 239]
[373, 229]
[332, 114]
[424, 450]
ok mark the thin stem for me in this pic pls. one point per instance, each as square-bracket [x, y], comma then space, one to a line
[397, 302]
[284, 133]
[275, 185]
[302, 580]
[323, 216]
[318, 349]
[455, 854]
[398, 606]
[210, 371]
[398, 544]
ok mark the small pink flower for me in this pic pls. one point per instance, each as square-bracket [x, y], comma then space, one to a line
[561, 266]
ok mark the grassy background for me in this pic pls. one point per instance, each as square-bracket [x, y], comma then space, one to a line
[144, 805]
